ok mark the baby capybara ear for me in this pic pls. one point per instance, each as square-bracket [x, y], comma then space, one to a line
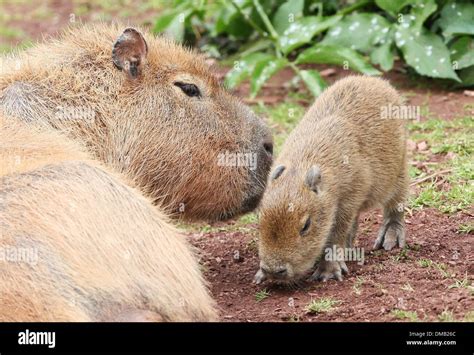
[129, 52]
[277, 172]
[313, 179]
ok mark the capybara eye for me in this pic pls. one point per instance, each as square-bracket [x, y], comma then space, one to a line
[189, 89]
[305, 227]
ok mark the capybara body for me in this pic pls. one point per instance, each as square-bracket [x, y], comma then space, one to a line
[342, 158]
[78, 243]
[149, 109]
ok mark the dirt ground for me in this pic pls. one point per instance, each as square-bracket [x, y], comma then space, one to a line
[389, 286]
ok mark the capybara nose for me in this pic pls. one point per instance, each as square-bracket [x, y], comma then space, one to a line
[268, 145]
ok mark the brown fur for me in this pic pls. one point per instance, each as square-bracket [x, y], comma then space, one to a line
[362, 160]
[140, 123]
[103, 251]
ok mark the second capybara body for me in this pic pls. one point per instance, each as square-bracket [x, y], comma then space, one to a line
[78, 243]
[343, 157]
[147, 108]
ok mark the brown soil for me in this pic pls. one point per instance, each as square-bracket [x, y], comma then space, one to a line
[369, 293]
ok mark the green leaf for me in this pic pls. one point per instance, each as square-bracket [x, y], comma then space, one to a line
[303, 30]
[264, 70]
[176, 28]
[173, 24]
[342, 56]
[164, 21]
[359, 32]
[383, 56]
[313, 81]
[392, 6]
[230, 21]
[244, 67]
[457, 18]
[256, 46]
[462, 52]
[288, 12]
[425, 52]
[420, 13]
[467, 77]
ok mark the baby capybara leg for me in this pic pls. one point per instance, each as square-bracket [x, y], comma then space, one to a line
[392, 232]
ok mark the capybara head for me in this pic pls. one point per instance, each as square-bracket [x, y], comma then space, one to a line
[154, 111]
[296, 216]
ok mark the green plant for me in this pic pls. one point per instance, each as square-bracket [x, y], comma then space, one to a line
[261, 295]
[325, 304]
[412, 316]
[425, 263]
[443, 269]
[261, 37]
[466, 228]
[469, 317]
[463, 283]
[402, 255]
[446, 316]
[358, 284]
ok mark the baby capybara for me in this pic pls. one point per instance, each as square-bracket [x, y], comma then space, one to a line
[342, 158]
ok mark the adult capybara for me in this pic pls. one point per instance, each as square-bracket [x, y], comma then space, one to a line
[342, 158]
[149, 109]
[79, 244]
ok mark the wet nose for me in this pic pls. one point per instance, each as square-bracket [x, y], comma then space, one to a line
[267, 144]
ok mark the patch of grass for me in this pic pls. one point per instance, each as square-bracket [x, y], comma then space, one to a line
[466, 228]
[469, 317]
[446, 137]
[463, 283]
[407, 287]
[446, 316]
[425, 263]
[441, 267]
[322, 305]
[11, 33]
[429, 196]
[412, 316]
[261, 295]
[402, 255]
[414, 172]
[6, 48]
[250, 218]
[357, 285]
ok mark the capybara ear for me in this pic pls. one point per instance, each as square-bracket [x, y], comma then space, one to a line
[129, 52]
[277, 172]
[313, 179]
